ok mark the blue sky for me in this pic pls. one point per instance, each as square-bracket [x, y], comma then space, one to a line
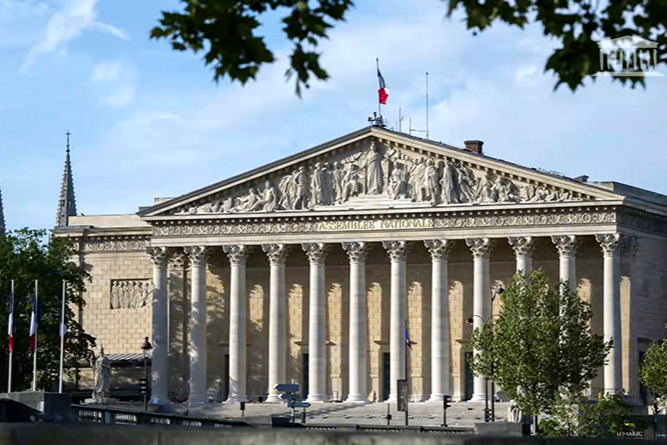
[148, 122]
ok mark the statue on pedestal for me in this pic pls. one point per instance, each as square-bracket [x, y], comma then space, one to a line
[102, 370]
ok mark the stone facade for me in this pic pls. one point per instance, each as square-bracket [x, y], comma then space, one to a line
[226, 340]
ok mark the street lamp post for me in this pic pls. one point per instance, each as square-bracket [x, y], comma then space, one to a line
[146, 347]
[497, 292]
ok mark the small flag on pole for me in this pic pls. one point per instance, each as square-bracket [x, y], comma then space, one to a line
[408, 343]
[34, 321]
[383, 91]
[10, 324]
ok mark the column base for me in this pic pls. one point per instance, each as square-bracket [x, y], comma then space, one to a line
[236, 399]
[478, 398]
[159, 400]
[356, 398]
[273, 398]
[393, 398]
[198, 399]
[317, 398]
[436, 398]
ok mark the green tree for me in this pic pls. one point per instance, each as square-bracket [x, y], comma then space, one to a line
[25, 257]
[575, 415]
[228, 31]
[653, 371]
[540, 344]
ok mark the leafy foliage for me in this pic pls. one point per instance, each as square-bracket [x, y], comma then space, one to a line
[25, 257]
[228, 31]
[574, 415]
[540, 344]
[653, 371]
[578, 25]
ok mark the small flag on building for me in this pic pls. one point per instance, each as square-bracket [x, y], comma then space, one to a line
[34, 321]
[408, 343]
[10, 324]
[383, 91]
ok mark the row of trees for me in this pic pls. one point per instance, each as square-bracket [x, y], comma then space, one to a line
[541, 350]
[25, 256]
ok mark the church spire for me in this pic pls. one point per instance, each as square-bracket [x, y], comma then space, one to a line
[2, 217]
[67, 202]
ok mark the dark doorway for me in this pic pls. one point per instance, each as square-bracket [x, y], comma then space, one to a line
[304, 383]
[468, 376]
[385, 376]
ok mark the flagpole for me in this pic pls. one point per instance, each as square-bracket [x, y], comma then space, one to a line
[62, 341]
[407, 372]
[377, 65]
[426, 105]
[11, 334]
[34, 354]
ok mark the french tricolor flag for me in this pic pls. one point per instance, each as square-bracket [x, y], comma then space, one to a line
[34, 321]
[10, 324]
[383, 91]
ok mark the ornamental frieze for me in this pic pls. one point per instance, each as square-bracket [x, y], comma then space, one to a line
[106, 245]
[444, 222]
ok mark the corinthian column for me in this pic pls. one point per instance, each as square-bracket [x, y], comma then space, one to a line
[481, 248]
[439, 250]
[317, 352]
[398, 252]
[567, 251]
[277, 254]
[357, 252]
[237, 254]
[613, 373]
[197, 255]
[523, 249]
[159, 365]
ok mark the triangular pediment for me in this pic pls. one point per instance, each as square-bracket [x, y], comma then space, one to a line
[375, 168]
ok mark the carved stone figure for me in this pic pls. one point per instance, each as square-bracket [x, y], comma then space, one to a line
[338, 181]
[429, 188]
[318, 184]
[115, 295]
[287, 189]
[466, 182]
[249, 202]
[486, 191]
[301, 181]
[374, 175]
[449, 183]
[398, 184]
[352, 183]
[102, 369]
[415, 179]
[506, 191]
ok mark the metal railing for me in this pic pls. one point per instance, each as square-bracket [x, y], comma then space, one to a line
[377, 428]
[113, 416]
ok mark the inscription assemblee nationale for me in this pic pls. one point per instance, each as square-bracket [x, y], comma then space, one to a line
[335, 226]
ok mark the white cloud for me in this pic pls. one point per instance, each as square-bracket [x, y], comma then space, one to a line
[115, 83]
[67, 24]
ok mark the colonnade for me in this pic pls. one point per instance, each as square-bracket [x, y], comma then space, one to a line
[357, 251]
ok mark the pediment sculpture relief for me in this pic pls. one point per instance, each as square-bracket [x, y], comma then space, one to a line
[385, 173]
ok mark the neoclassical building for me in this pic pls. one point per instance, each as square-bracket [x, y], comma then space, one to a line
[312, 269]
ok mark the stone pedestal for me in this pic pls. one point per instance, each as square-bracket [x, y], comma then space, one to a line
[56, 407]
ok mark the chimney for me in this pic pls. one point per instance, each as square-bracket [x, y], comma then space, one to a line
[582, 178]
[474, 146]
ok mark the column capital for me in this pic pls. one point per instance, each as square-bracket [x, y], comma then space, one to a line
[158, 255]
[356, 250]
[277, 253]
[565, 244]
[439, 249]
[196, 254]
[237, 253]
[480, 247]
[397, 250]
[609, 242]
[522, 245]
[317, 252]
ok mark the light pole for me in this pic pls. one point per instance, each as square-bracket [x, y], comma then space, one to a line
[499, 290]
[146, 347]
